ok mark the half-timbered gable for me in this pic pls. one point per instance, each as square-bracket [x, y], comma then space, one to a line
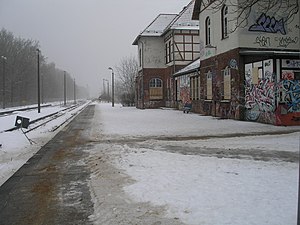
[151, 82]
[182, 46]
[168, 44]
[182, 38]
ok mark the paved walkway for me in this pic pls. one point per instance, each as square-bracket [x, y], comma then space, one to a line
[52, 187]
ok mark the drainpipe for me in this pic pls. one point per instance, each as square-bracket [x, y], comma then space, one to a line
[174, 65]
[142, 86]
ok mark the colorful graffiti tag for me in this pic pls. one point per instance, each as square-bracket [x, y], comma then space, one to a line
[260, 98]
[268, 24]
[292, 94]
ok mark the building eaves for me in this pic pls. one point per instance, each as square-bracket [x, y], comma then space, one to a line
[156, 27]
[190, 68]
[196, 11]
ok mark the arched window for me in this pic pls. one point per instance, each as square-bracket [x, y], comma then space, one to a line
[207, 31]
[224, 18]
[155, 82]
[156, 89]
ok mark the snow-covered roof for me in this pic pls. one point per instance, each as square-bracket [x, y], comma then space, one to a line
[165, 22]
[184, 19]
[157, 26]
[192, 67]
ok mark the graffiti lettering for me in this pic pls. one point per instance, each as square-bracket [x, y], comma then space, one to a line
[268, 24]
[292, 63]
[263, 41]
[288, 75]
[292, 94]
[286, 41]
[261, 97]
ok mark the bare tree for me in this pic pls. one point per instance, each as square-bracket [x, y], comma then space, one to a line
[127, 71]
[242, 9]
[20, 86]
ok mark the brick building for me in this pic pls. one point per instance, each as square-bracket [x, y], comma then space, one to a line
[168, 44]
[250, 71]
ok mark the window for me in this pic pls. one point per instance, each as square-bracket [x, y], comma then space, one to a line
[209, 94]
[140, 57]
[155, 89]
[224, 22]
[207, 31]
[155, 82]
[227, 83]
[168, 52]
[194, 85]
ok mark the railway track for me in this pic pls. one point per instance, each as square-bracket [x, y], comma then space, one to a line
[39, 122]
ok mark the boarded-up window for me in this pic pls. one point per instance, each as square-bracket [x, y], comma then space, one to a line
[209, 85]
[227, 83]
[156, 89]
[195, 88]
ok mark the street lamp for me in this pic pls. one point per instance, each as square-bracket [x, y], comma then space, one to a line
[74, 91]
[65, 89]
[3, 83]
[38, 80]
[112, 87]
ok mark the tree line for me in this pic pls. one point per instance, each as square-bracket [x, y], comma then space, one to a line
[18, 74]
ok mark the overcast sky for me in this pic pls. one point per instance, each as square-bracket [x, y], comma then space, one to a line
[84, 37]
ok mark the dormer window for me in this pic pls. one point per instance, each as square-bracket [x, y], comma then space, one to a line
[207, 31]
[224, 21]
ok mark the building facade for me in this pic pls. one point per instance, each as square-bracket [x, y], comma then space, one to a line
[168, 44]
[249, 70]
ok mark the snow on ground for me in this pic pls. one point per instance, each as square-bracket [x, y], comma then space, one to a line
[206, 190]
[129, 121]
[197, 189]
[16, 149]
[193, 188]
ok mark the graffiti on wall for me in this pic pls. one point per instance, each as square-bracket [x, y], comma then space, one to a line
[263, 41]
[268, 24]
[292, 94]
[291, 63]
[185, 94]
[282, 42]
[259, 91]
[261, 97]
[285, 41]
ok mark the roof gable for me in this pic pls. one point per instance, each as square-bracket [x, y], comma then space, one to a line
[157, 26]
[184, 19]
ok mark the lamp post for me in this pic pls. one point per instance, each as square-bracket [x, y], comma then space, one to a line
[74, 91]
[103, 83]
[3, 82]
[65, 89]
[38, 80]
[112, 87]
